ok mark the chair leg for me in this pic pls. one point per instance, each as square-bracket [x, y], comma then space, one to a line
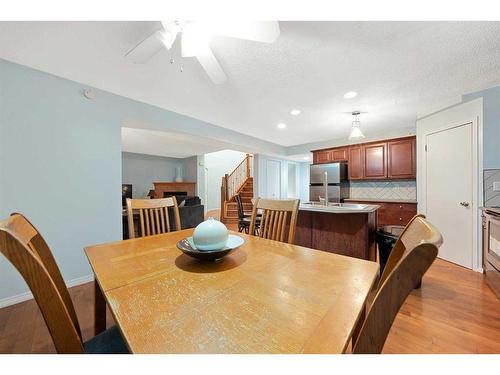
[240, 228]
[247, 230]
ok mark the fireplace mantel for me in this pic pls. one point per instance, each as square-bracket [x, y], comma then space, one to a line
[161, 187]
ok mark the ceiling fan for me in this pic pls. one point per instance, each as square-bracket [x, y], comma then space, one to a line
[195, 37]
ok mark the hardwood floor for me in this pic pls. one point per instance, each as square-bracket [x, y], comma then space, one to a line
[453, 312]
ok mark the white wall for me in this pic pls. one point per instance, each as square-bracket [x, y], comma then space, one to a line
[293, 181]
[217, 164]
[304, 182]
[260, 177]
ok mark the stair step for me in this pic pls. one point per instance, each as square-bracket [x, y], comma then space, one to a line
[235, 205]
[230, 220]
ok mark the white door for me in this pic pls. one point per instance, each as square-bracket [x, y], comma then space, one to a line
[449, 191]
[273, 177]
[292, 181]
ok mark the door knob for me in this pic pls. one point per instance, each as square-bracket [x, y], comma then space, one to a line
[465, 204]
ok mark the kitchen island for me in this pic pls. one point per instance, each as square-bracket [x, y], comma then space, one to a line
[346, 229]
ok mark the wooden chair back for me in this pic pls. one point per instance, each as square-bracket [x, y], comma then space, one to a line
[412, 256]
[153, 216]
[26, 249]
[239, 204]
[276, 215]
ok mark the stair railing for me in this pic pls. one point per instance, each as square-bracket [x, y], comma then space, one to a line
[237, 178]
[233, 182]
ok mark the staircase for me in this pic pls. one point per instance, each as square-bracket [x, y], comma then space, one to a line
[239, 181]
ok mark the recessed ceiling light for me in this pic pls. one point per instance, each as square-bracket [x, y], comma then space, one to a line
[295, 112]
[281, 125]
[306, 157]
[350, 94]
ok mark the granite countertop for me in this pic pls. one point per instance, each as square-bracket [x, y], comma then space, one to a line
[344, 208]
[381, 200]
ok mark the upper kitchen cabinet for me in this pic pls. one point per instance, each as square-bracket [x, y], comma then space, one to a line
[330, 156]
[322, 156]
[401, 157]
[355, 166]
[339, 154]
[390, 159]
[375, 161]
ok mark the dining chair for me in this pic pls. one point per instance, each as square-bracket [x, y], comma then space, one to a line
[277, 214]
[153, 216]
[243, 218]
[411, 257]
[26, 249]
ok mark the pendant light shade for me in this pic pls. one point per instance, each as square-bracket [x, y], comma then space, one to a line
[356, 132]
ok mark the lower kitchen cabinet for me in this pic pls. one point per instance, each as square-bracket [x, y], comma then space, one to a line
[392, 213]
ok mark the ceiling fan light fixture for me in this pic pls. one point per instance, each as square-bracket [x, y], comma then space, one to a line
[167, 38]
[195, 39]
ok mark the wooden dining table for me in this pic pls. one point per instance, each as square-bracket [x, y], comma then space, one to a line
[264, 297]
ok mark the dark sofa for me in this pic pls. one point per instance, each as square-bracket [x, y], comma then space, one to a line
[191, 211]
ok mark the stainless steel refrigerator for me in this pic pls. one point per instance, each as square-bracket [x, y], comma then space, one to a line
[328, 180]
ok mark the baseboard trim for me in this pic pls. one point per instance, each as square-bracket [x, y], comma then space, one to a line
[8, 301]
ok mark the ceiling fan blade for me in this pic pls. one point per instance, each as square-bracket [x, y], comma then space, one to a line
[212, 67]
[146, 49]
[259, 31]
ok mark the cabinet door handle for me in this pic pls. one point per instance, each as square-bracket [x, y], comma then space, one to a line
[465, 204]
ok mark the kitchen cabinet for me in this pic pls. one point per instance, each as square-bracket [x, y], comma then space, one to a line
[396, 213]
[321, 157]
[391, 213]
[355, 167]
[401, 157]
[390, 159]
[339, 154]
[374, 161]
[330, 156]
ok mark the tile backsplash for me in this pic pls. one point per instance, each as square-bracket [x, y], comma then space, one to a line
[491, 198]
[384, 189]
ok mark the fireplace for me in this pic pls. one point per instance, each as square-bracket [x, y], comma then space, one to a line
[174, 188]
[173, 193]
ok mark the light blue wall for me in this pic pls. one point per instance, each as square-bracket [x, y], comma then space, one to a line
[142, 170]
[491, 125]
[61, 166]
[189, 169]
[60, 162]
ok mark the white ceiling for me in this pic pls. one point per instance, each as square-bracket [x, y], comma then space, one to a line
[400, 70]
[170, 144]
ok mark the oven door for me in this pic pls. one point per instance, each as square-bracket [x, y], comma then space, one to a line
[492, 240]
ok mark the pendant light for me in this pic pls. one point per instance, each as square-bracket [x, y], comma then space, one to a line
[356, 132]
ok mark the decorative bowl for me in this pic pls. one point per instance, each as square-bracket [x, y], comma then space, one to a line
[188, 247]
[210, 235]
